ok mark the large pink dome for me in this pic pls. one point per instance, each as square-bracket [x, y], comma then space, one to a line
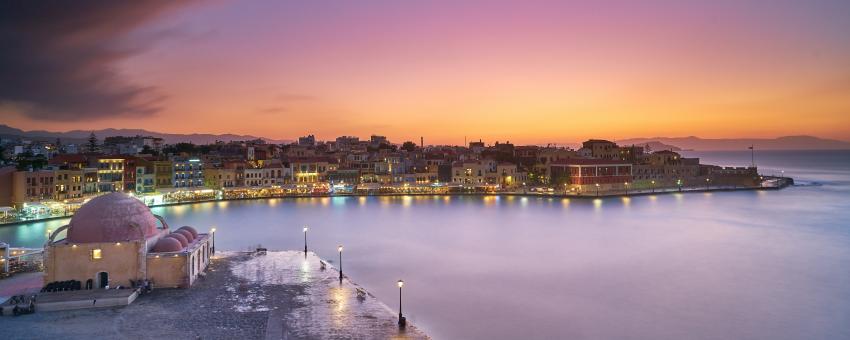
[112, 217]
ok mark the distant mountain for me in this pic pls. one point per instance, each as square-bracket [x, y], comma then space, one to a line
[780, 143]
[169, 138]
[652, 146]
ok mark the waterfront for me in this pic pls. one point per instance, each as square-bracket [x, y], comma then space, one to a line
[748, 264]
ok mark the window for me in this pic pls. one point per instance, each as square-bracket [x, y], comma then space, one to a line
[96, 254]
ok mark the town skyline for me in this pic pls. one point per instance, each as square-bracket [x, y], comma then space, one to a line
[541, 72]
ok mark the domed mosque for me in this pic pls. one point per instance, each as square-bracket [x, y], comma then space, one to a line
[115, 240]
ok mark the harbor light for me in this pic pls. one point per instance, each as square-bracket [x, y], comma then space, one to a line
[305, 241]
[339, 249]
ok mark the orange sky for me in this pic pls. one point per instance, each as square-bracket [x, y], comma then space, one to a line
[543, 72]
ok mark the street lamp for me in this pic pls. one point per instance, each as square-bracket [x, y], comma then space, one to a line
[707, 183]
[653, 186]
[212, 231]
[627, 187]
[597, 189]
[339, 249]
[402, 321]
[305, 241]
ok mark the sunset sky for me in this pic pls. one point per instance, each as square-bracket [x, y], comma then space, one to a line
[524, 71]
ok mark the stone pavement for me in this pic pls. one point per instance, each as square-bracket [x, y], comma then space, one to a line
[325, 309]
[23, 283]
[277, 296]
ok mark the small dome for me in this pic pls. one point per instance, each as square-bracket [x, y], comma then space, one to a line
[167, 244]
[190, 229]
[187, 234]
[179, 237]
[113, 217]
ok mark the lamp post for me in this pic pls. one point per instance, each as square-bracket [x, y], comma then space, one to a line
[402, 321]
[339, 249]
[305, 241]
[597, 189]
[212, 231]
[627, 187]
[679, 183]
[707, 184]
[653, 186]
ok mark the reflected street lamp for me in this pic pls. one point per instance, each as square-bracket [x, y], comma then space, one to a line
[305, 241]
[402, 321]
[339, 249]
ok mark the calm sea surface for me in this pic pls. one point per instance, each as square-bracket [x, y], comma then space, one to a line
[733, 265]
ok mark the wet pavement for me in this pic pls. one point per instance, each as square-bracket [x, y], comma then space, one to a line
[280, 295]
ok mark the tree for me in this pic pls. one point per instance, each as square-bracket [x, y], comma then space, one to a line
[148, 150]
[27, 161]
[92, 145]
[176, 149]
[408, 146]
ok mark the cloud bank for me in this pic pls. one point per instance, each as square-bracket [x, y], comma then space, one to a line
[59, 58]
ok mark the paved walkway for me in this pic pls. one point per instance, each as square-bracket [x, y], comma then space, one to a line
[23, 283]
[277, 296]
[327, 309]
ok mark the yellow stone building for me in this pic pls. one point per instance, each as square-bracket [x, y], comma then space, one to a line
[115, 240]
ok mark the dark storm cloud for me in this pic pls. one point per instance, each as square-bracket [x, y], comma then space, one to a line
[58, 58]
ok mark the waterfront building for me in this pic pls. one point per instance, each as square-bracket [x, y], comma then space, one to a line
[145, 177]
[69, 184]
[110, 173]
[163, 174]
[254, 177]
[89, 181]
[506, 174]
[585, 176]
[220, 178]
[311, 169]
[115, 240]
[32, 186]
[188, 172]
[469, 172]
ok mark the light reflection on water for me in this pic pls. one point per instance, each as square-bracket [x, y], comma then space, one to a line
[756, 265]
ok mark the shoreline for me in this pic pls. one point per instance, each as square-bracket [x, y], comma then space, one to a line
[785, 182]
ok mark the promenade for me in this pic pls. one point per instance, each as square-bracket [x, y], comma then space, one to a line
[280, 295]
[772, 183]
